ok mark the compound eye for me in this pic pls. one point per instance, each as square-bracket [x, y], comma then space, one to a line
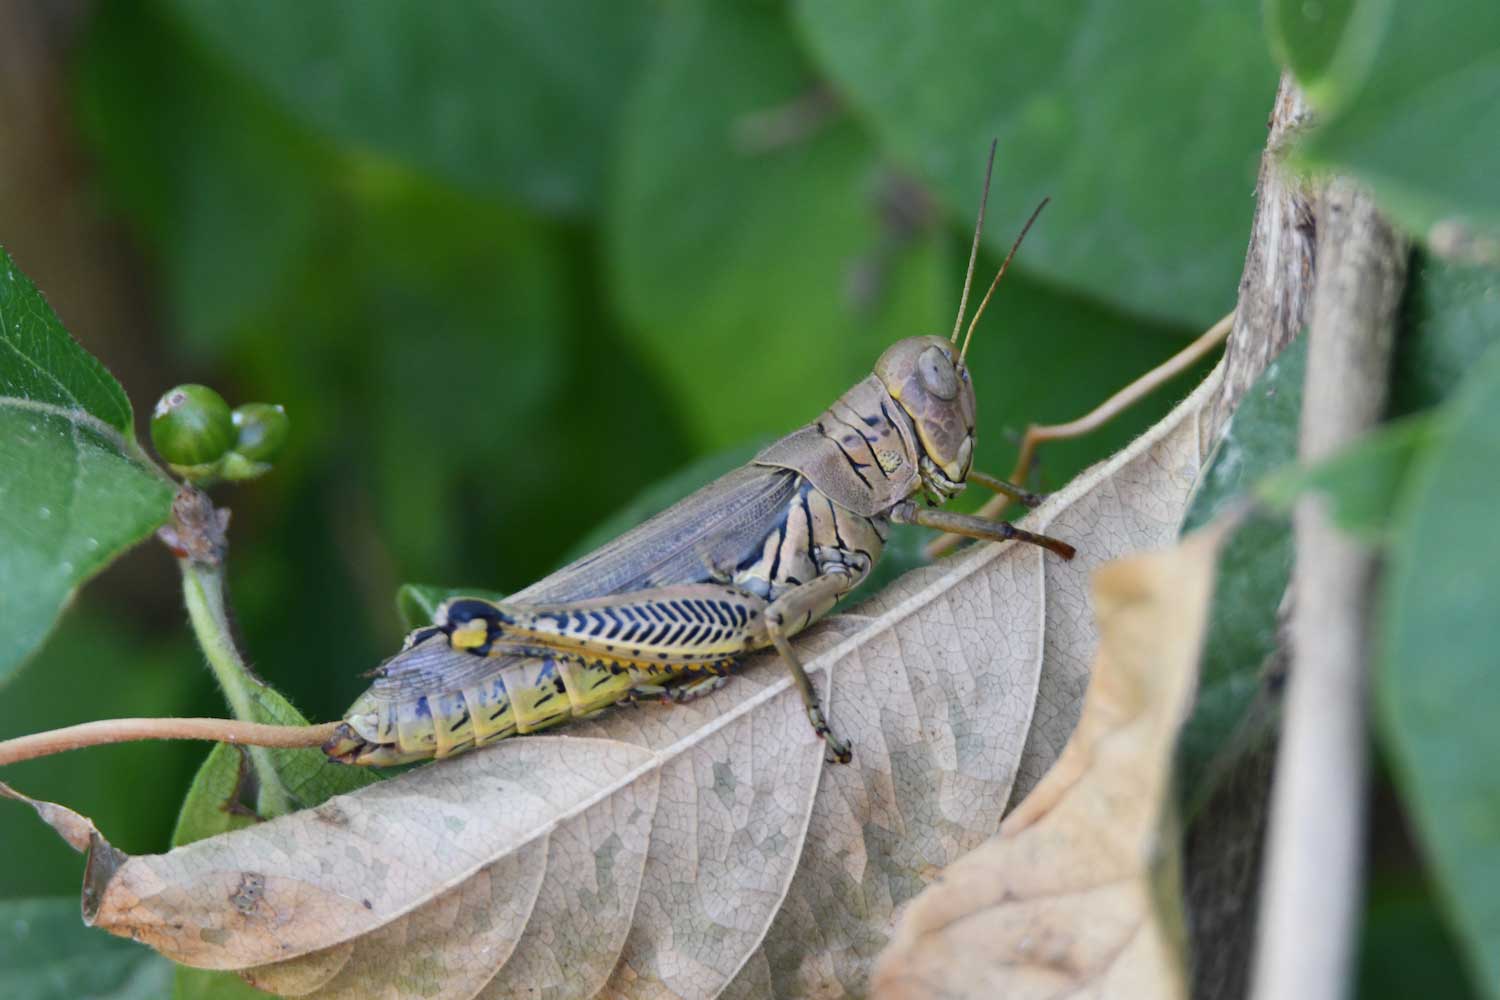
[470, 623]
[936, 371]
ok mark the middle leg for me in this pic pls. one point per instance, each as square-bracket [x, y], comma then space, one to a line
[791, 613]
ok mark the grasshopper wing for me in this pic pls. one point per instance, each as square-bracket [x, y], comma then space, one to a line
[693, 541]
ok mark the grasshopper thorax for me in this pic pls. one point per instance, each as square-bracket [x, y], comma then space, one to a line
[923, 376]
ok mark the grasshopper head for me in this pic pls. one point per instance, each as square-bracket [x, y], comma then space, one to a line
[928, 377]
[923, 376]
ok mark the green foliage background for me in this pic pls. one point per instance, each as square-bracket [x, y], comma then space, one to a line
[508, 265]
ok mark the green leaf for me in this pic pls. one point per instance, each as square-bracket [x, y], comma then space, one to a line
[1451, 317]
[759, 273]
[1254, 569]
[1436, 694]
[1090, 103]
[43, 369]
[417, 603]
[75, 487]
[1412, 106]
[1363, 482]
[504, 94]
[1327, 45]
[46, 953]
[213, 802]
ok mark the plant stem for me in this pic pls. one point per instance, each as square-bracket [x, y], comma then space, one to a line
[106, 731]
[1127, 397]
[198, 537]
[203, 591]
[1313, 881]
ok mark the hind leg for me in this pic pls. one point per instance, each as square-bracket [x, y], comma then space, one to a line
[689, 689]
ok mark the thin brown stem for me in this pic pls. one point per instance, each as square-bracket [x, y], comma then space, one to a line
[1127, 397]
[1102, 414]
[106, 731]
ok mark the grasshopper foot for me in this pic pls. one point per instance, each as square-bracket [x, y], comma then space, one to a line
[839, 751]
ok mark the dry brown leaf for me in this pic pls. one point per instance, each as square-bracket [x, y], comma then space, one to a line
[1078, 893]
[698, 850]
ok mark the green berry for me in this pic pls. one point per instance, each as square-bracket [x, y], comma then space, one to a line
[237, 468]
[192, 426]
[263, 429]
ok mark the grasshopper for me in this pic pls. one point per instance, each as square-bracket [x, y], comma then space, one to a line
[747, 562]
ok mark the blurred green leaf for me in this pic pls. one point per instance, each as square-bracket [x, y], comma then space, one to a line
[1363, 482]
[76, 487]
[467, 346]
[1412, 106]
[1254, 569]
[417, 603]
[1405, 950]
[229, 197]
[1451, 317]
[1144, 121]
[746, 232]
[46, 953]
[204, 984]
[502, 94]
[1328, 44]
[1436, 694]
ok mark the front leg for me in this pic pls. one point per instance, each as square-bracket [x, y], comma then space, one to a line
[995, 484]
[970, 526]
[791, 613]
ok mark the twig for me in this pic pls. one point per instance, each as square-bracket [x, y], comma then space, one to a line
[1276, 284]
[106, 731]
[1124, 399]
[1100, 415]
[1222, 855]
[1315, 853]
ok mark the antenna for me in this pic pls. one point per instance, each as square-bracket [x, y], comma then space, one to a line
[963, 302]
[1004, 264]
